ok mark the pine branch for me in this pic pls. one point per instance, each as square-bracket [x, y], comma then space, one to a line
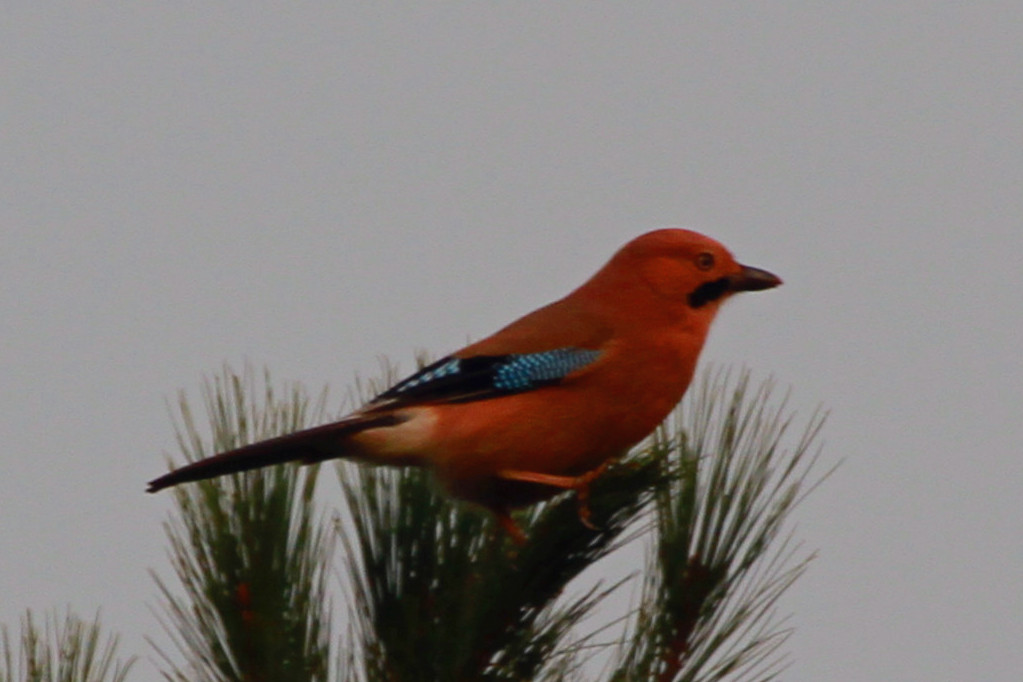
[68, 651]
[250, 550]
[720, 561]
[437, 593]
[441, 594]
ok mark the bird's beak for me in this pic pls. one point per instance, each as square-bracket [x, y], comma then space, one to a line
[753, 279]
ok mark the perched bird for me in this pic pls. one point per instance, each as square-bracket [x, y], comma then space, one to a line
[545, 403]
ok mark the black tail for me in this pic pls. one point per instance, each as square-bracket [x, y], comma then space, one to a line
[311, 445]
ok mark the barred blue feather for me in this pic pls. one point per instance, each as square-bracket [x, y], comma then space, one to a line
[523, 372]
[480, 377]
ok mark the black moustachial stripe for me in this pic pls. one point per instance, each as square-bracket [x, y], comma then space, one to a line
[709, 292]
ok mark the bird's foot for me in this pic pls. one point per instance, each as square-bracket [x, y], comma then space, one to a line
[580, 484]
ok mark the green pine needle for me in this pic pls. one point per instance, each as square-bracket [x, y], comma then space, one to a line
[721, 560]
[442, 594]
[251, 550]
[62, 650]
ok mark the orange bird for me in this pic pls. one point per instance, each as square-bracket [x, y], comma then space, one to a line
[546, 402]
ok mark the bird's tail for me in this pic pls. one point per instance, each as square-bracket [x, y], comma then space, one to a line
[308, 446]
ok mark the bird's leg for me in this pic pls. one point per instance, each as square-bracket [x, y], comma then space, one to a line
[580, 484]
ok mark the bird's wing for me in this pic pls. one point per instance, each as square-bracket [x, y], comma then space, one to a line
[456, 379]
[539, 349]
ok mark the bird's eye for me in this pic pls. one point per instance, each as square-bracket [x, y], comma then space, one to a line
[705, 260]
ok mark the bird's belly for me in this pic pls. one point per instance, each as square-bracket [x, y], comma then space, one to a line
[565, 438]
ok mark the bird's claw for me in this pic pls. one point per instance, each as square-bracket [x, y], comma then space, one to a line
[580, 484]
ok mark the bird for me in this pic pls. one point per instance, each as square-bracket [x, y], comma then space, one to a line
[547, 402]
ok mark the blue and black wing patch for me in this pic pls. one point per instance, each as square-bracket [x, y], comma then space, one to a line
[488, 376]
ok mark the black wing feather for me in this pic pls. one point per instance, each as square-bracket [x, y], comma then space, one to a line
[453, 379]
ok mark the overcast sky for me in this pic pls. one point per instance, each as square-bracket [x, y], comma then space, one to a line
[311, 186]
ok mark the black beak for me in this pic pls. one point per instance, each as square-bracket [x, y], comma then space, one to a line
[753, 279]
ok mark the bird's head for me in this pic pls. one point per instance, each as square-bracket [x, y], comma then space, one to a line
[683, 269]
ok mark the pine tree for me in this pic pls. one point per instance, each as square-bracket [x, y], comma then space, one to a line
[63, 649]
[434, 592]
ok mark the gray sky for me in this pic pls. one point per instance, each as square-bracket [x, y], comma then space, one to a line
[309, 187]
